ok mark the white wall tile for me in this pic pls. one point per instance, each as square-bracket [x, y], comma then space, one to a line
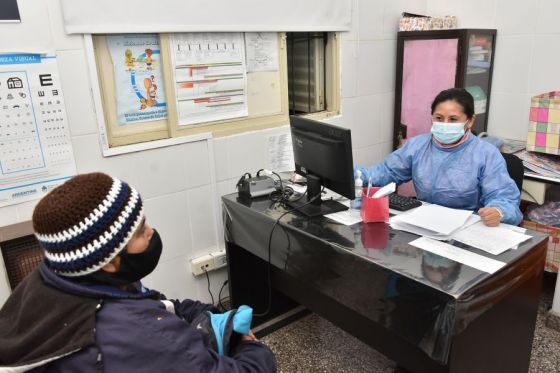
[221, 158]
[362, 117]
[515, 17]
[509, 115]
[197, 159]
[386, 66]
[392, 14]
[152, 172]
[76, 88]
[169, 215]
[544, 72]
[376, 67]
[61, 40]
[25, 210]
[547, 16]
[512, 64]
[386, 113]
[367, 66]
[353, 33]
[246, 153]
[33, 34]
[370, 19]
[9, 215]
[201, 214]
[470, 14]
[348, 68]
[173, 278]
[367, 156]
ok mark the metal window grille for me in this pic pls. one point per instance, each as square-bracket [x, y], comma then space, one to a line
[21, 256]
[306, 71]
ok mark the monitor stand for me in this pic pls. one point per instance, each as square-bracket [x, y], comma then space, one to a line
[317, 207]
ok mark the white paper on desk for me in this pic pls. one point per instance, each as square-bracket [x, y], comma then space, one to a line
[438, 219]
[401, 226]
[493, 240]
[462, 256]
[347, 217]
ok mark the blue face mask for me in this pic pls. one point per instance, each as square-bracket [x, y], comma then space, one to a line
[448, 133]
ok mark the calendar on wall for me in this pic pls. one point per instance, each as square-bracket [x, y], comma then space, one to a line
[35, 149]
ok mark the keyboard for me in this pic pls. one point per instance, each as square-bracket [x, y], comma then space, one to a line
[402, 203]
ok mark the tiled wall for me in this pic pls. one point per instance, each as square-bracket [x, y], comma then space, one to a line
[177, 182]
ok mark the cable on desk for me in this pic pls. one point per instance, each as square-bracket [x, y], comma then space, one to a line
[269, 281]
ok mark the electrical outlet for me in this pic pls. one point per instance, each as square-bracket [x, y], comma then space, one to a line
[208, 262]
[220, 259]
[205, 261]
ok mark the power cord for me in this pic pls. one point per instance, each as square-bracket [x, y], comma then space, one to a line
[220, 296]
[208, 279]
[269, 281]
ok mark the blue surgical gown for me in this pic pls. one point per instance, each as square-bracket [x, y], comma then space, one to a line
[468, 176]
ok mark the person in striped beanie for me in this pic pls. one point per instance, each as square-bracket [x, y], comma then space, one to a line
[84, 226]
[84, 308]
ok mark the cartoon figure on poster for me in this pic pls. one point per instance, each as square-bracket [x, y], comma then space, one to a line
[138, 78]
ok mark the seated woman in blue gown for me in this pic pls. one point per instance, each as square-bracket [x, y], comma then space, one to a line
[452, 167]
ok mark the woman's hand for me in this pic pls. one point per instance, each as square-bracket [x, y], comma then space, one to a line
[490, 216]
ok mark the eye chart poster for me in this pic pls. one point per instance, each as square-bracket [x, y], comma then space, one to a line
[35, 149]
[138, 77]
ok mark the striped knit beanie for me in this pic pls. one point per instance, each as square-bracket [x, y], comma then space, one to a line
[85, 222]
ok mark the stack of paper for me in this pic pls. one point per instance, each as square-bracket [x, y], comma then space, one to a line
[437, 222]
[494, 240]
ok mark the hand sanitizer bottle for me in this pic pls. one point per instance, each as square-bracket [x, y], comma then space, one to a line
[358, 191]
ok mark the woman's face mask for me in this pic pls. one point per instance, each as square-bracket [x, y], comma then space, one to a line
[448, 133]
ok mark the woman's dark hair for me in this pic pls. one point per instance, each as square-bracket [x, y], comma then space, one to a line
[460, 96]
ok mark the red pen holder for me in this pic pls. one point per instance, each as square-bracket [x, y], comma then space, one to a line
[374, 209]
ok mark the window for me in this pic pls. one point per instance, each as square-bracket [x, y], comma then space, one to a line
[311, 70]
[312, 73]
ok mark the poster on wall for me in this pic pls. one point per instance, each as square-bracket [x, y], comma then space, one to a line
[210, 76]
[9, 11]
[138, 77]
[35, 149]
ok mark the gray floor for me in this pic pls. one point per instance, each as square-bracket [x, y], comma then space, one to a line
[312, 344]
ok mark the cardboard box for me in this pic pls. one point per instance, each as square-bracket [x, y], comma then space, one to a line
[553, 251]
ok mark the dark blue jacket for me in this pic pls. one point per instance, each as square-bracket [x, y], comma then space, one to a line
[133, 332]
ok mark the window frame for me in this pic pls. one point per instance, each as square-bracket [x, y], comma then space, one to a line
[168, 132]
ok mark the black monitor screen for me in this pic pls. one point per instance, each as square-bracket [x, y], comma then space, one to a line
[323, 153]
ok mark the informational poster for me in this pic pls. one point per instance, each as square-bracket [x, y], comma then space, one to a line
[262, 51]
[210, 76]
[35, 149]
[138, 77]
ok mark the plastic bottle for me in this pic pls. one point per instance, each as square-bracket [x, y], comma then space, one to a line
[358, 191]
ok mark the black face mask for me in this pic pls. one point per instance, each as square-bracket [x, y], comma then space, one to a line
[133, 266]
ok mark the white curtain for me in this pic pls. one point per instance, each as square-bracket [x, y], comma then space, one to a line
[146, 16]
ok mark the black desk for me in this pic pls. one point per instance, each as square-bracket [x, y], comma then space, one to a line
[427, 313]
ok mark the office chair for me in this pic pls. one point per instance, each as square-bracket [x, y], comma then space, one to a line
[515, 169]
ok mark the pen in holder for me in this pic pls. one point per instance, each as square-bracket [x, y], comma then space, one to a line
[374, 209]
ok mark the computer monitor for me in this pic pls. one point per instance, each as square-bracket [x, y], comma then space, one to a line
[323, 154]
